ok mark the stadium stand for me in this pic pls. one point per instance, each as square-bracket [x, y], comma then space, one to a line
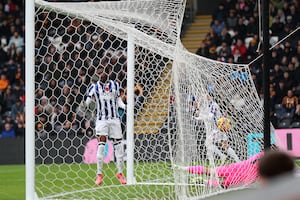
[234, 29]
[12, 66]
[240, 20]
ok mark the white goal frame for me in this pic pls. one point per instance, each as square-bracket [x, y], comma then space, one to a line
[183, 91]
[29, 83]
[30, 151]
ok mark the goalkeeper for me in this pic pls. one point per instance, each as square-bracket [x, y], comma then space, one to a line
[261, 166]
[217, 141]
[234, 174]
[106, 95]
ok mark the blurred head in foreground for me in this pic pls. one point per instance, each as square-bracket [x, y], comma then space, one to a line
[275, 164]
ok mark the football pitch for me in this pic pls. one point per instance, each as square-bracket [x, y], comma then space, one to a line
[76, 180]
[12, 180]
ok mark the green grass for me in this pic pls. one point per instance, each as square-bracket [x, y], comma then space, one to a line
[63, 179]
[78, 181]
[12, 181]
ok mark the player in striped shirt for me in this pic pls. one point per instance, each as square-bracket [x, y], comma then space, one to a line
[106, 95]
[217, 140]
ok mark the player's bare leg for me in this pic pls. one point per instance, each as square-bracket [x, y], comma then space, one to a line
[100, 155]
[119, 153]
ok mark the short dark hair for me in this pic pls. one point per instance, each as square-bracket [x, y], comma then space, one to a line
[275, 163]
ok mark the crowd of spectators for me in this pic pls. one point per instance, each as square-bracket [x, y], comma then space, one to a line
[12, 68]
[60, 86]
[234, 37]
[70, 54]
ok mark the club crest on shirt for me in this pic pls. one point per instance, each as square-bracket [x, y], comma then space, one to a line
[106, 88]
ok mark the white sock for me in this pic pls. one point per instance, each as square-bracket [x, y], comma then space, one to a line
[232, 154]
[119, 153]
[100, 155]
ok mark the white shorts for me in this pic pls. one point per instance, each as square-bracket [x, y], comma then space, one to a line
[110, 128]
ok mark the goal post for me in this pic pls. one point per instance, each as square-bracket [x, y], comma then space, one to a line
[130, 111]
[182, 109]
[30, 89]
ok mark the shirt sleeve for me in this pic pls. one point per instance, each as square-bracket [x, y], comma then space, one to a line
[90, 93]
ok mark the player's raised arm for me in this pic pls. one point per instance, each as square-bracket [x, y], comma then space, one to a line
[120, 102]
[85, 103]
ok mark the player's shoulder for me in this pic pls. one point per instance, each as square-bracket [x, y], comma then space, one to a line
[97, 86]
[115, 83]
[92, 86]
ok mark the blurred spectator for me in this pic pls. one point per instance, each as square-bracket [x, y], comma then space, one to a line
[294, 12]
[54, 115]
[8, 119]
[277, 26]
[17, 41]
[285, 8]
[44, 106]
[275, 59]
[65, 95]
[274, 165]
[203, 49]
[290, 101]
[280, 92]
[239, 51]
[18, 90]
[290, 22]
[3, 54]
[279, 181]
[278, 72]
[20, 129]
[64, 117]
[4, 82]
[241, 28]
[20, 76]
[288, 50]
[224, 51]
[231, 20]
[281, 15]
[252, 27]
[288, 82]
[44, 122]
[9, 6]
[217, 27]
[17, 109]
[225, 37]
[273, 10]
[9, 98]
[8, 131]
[220, 13]
[252, 48]
[139, 98]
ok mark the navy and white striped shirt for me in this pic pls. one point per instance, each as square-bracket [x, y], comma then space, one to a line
[106, 96]
[214, 109]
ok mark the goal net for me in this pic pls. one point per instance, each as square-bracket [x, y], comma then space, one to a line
[188, 110]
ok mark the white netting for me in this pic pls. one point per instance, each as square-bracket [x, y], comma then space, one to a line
[75, 42]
